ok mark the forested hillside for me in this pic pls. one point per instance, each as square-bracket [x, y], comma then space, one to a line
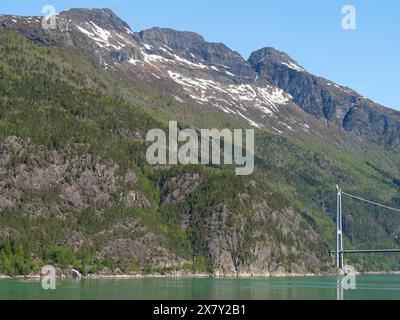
[76, 190]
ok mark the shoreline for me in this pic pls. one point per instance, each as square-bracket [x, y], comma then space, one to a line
[193, 276]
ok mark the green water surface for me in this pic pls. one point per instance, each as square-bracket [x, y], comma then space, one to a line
[299, 288]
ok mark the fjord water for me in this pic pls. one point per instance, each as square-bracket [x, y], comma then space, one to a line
[298, 288]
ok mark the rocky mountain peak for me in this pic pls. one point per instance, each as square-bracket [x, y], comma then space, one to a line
[192, 47]
[104, 18]
[177, 40]
[270, 57]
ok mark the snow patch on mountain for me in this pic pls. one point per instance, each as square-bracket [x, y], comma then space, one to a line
[230, 98]
[293, 66]
[101, 36]
[254, 124]
[189, 63]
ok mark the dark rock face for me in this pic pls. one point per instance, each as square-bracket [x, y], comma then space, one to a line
[193, 47]
[261, 59]
[376, 124]
[76, 181]
[315, 95]
[108, 34]
[177, 40]
[326, 100]
[179, 187]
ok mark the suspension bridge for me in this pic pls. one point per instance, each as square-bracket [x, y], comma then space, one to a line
[339, 253]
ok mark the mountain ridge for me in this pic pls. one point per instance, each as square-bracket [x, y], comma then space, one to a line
[224, 78]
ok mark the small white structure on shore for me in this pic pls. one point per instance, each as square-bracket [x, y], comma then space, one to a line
[76, 274]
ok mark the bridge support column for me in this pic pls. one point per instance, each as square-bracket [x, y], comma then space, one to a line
[339, 231]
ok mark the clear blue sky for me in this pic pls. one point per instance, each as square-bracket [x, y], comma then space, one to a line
[366, 59]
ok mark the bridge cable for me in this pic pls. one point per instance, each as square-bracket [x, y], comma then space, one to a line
[370, 202]
[317, 203]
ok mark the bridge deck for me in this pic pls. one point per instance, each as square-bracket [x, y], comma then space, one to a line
[368, 251]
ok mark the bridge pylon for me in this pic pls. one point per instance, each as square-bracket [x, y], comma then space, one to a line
[339, 231]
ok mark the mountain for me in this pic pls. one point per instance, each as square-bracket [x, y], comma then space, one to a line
[266, 90]
[76, 104]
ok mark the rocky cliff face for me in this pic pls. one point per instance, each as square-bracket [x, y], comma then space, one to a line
[65, 188]
[327, 100]
[194, 48]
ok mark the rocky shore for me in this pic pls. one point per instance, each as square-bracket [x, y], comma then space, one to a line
[177, 275]
[187, 275]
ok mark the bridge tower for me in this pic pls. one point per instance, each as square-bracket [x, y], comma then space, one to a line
[339, 231]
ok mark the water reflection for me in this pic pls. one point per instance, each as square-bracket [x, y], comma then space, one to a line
[339, 289]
